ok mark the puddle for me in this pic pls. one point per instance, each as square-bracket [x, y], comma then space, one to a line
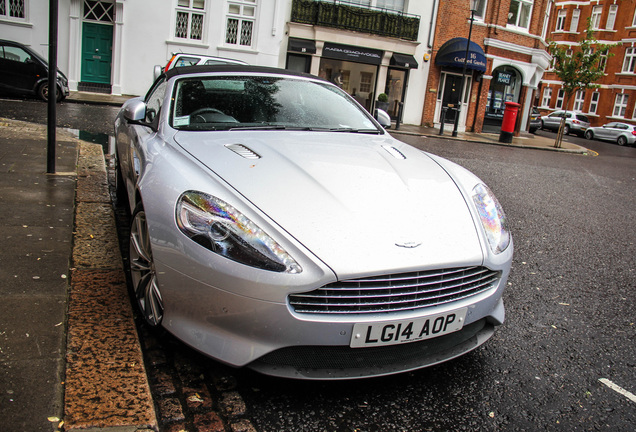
[106, 141]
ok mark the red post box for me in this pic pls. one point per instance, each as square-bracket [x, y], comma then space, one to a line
[508, 123]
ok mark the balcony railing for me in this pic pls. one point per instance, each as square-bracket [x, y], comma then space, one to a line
[346, 16]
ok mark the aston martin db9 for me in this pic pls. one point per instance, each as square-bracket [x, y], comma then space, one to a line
[276, 225]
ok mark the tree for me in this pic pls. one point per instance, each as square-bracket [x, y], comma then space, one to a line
[579, 69]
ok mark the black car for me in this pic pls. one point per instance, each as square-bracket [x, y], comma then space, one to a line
[24, 71]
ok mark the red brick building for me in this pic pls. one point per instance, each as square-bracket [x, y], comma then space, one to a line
[507, 60]
[613, 21]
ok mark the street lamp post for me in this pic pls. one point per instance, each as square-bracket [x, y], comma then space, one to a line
[473, 8]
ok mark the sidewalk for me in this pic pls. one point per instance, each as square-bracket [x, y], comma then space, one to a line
[525, 140]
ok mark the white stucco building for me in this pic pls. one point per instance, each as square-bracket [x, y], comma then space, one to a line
[111, 46]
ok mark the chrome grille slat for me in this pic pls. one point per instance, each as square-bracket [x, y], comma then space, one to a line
[413, 291]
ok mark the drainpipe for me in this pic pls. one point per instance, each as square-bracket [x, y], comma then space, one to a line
[430, 25]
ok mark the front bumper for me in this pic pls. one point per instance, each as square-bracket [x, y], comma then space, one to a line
[269, 337]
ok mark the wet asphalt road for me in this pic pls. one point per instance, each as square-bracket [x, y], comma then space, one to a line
[570, 309]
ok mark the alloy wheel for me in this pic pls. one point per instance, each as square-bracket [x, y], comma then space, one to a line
[142, 270]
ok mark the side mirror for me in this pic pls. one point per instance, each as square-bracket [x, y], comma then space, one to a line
[158, 70]
[383, 118]
[135, 111]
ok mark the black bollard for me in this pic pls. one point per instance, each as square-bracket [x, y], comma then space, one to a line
[442, 120]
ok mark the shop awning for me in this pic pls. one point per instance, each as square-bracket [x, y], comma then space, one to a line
[404, 60]
[453, 52]
[302, 45]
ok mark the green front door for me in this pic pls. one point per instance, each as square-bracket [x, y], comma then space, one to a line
[97, 42]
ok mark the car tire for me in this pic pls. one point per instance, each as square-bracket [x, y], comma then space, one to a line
[43, 92]
[589, 135]
[621, 140]
[532, 130]
[542, 125]
[142, 270]
[566, 129]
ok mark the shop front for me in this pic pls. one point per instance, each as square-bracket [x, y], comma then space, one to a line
[505, 86]
[455, 88]
[357, 70]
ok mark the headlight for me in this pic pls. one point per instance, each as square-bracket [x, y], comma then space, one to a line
[219, 227]
[492, 218]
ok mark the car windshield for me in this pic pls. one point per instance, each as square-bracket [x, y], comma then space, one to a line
[265, 102]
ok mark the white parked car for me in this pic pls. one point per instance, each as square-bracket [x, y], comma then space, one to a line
[618, 132]
[574, 122]
[185, 59]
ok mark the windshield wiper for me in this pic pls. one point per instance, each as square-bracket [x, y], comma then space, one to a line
[353, 130]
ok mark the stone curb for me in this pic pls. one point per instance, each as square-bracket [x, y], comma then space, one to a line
[106, 386]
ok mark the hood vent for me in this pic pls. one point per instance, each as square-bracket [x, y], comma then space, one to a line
[243, 151]
[394, 152]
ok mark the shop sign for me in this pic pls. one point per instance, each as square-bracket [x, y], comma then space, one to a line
[504, 78]
[352, 53]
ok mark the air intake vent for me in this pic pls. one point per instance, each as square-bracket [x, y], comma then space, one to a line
[397, 292]
[243, 151]
[394, 152]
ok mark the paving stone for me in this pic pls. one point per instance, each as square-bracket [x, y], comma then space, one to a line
[242, 425]
[176, 427]
[232, 404]
[198, 398]
[170, 410]
[161, 382]
[208, 422]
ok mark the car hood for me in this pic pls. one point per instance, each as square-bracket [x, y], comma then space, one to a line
[363, 204]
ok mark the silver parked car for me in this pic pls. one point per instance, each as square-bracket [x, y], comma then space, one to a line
[276, 225]
[620, 133]
[574, 122]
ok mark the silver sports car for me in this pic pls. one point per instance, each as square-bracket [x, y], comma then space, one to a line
[276, 225]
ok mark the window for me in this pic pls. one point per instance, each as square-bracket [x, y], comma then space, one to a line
[154, 101]
[574, 24]
[547, 97]
[100, 11]
[480, 10]
[611, 17]
[595, 19]
[240, 23]
[560, 22]
[620, 105]
[14, 53]
[630, 60]
[190, 18]
[546, 20]
[519, 13]
[365, 81]
[594, 102]
[392, 5]
[634, 19]
[559, 101]
[579, 98]
[396, 5]
[13, 9]
[602, 61]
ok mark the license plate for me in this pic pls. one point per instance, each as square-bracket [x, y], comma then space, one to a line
[397, 332]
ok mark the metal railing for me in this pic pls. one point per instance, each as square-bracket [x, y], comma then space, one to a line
[348, 16]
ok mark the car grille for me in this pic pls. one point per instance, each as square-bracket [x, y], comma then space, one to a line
[397, 292]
